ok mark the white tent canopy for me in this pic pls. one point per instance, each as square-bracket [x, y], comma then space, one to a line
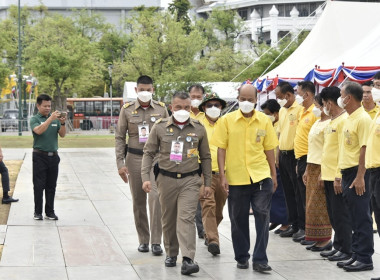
[347, 32]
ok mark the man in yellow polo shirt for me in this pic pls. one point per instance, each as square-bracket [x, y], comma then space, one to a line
[196, 93]
[287, 126]
[331, 176]
[372, 163]
[369, 105]
[213, 198]
[246, 141]
[306, 93]
[354, 177]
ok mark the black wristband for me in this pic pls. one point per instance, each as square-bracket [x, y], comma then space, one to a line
[63, 123]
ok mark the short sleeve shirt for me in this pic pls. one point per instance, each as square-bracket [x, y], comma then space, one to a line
[47, 141]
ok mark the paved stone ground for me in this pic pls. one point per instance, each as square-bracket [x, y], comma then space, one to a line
[95, 237]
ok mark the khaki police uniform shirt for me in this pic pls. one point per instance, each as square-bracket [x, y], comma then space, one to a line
[131, 116]
[193, 135]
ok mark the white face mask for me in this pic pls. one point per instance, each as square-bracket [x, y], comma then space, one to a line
[272, 118]
[299, 99]
[317, 112]
[341, 103]
[195, 103]
[181, 115]
[282, 102]
[144, 96]
[375, 94]
[327, 112]
[246, 106]
[213, 112]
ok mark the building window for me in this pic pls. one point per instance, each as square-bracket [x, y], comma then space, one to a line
[243, 13]
[303, 9]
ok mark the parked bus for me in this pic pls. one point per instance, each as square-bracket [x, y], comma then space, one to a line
[94, 112]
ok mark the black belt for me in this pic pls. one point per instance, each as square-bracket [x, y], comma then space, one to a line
[49, 154]
[214, 172]
[287, 152]
[176, 175]
[135, 151]
[373, 169]
[349, 169]
[302, 158]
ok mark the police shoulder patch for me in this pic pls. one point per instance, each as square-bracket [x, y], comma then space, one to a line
[162, 104]
[158, 121]
[127, 104]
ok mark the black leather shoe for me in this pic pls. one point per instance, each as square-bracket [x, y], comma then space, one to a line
[349, 262]
[327, 247]
[201, 235]
[143, 248]
[310, 246]
[358, 266]
[214, 249]
[51, 216]
[171, 261]
[156, 249]
[8, 200]
[328, 254]
[189, 267]
[288, 233]
[307, 242]
[375, 278]
[299, 235]
[242, 265]
[279, 230]
[38, 216]
[260, 267]
[339, 256]
[273, 226]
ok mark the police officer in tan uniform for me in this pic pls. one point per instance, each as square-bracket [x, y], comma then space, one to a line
[137, 118]
[178, 178]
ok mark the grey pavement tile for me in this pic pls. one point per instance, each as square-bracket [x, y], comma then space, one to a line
[76, 212]
[104, 192]
[70, 191]
[3, 231]
[102, 273]
[33, 273]
[90, 246]
[14, 153]
[97, 177]
[21, 213]
[159, 271]
[32, 246]
[117, 212]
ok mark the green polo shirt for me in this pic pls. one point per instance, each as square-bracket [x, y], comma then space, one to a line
[47, 141]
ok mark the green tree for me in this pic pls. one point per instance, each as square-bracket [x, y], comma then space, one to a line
[62, 59]
[161, 48]
[180, 9]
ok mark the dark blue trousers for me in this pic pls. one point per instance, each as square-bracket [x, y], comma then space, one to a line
[361, 220]
[374, 185]
[240, 198]
[4, 177]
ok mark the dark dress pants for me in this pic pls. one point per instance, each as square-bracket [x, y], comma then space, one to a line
[374, 185]
[240, 198]
[289, 181]
[301, 191]
[361, 220]
[45, 174]
[339, 219]
[4, 177]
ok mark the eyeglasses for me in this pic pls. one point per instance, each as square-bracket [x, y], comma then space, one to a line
[210, 105]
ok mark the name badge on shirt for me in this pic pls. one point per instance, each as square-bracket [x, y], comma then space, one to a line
[53, 124]
[176, 151]
[143, 133]
[348, 139]
[260, 133]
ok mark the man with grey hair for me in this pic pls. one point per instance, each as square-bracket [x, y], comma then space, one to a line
[355, 185]
[178, 178]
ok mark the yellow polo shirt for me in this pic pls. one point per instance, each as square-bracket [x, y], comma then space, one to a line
[315, 143]
[372, 113]
[275, 126]
[305, 122]
[332, 137]
[287, 125]
[372, 154]
[355, 136]
[210, 129]
[245, 140]
[200, 116]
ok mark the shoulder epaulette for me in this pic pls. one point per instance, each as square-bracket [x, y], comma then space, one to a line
[159, 120]
[162, 104]
[127, 104]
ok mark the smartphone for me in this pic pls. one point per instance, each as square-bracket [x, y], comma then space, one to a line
[63, 115]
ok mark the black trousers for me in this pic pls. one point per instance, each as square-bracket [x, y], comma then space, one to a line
[361, 220]
[45, 174]
[4, 177]
[301, 192]
[374, 185]
[339, 219]
[289, 181]
[240, 199]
